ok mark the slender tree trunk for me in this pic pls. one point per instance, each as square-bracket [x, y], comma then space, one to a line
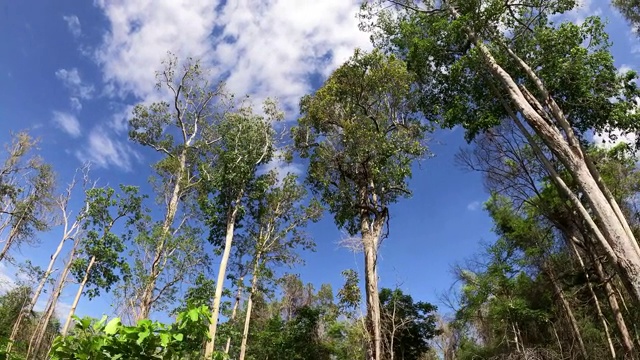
[11, 238]
[146, 297]
[625, 335]
[567, 309]
[624, 248]
[72, 311]
[247, 318]
[231, 222]
[607, 333]
[555, 332]
[34, 299]
[38, 335]
[370, 238]
[234, 312]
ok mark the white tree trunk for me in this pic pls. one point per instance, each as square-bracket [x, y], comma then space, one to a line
[74, 305]
[247, 318]
[215, 311]
[370, 238]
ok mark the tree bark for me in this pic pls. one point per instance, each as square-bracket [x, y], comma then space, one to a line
[234, 312]
[231, 222]
[72, 311]
[35, 343]
[11, 238]
[146, 298]
[567, 309]
[625, 249]
[371, 232]
[625, 335]
[247, 318]
[612, 349]
[36, 295]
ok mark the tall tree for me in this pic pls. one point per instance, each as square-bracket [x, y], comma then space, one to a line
[407, 326]
[554, 81]
[71, 229]
[361, 133]
[26, 193]
[99, 262]
[247, 141]
[182, 131]
[275, 218]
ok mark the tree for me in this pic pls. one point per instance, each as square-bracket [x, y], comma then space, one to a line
[183, 131]
[247, 141]
[407, 326]
[71, 230]
[12, 305]
[99, 259]
[361, 134]
[546, 79]
[275, 218]
[26, 193]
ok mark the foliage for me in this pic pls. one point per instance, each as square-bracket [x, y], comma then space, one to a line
[407, 326]
[361, 133]
[147, 339]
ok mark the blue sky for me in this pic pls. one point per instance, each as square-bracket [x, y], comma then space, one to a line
[71, 70]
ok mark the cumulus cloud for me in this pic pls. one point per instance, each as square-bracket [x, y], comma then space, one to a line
[73, 23]
[272, 49]
[72, 80]
[263, 48]
[275, 49]
[105, 151]
[67, 122]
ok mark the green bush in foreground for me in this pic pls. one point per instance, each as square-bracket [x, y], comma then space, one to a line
[96, 340]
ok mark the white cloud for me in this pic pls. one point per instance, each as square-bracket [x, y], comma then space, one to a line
[104, 151]
[67, 122]
[7, 282]
[473, 206]
[282, 167]
[609, 139]
[72, 80]
[274, 49]
[73, 23]
[76, 105]
[583, 9]
[266, 48]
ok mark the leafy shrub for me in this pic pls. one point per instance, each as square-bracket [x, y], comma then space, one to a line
[102, 339]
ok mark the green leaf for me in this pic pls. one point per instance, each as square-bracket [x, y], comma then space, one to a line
[112, 326]
[193, 314]
[178, 336]
[142, 336]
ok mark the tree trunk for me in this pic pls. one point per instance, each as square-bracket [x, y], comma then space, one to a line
[36, 295]
[625, 249]
[567, 309]
[595, 300]
[72, 311]
[146, 298]
[234, 312]
[38, 334]
[370, 238]
[247, 318]
[625, 336]
[231, 222]
[10, 239]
